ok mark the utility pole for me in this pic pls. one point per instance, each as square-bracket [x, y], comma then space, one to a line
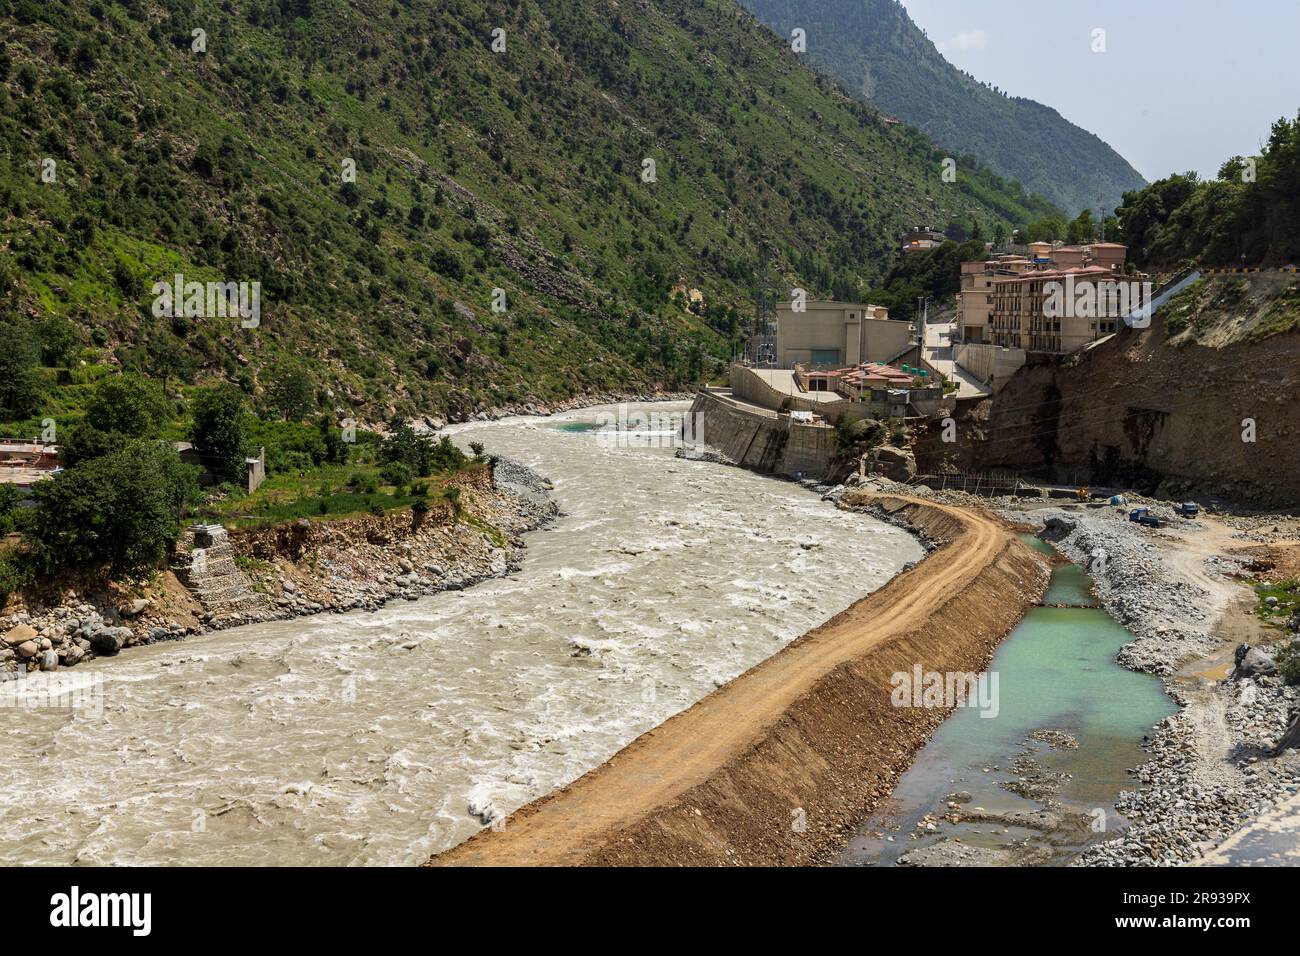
[762, 347]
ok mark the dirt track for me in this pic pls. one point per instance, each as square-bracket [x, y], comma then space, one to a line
[717, 782]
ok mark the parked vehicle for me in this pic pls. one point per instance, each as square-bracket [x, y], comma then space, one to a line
[1144, 517]
[1189, 509]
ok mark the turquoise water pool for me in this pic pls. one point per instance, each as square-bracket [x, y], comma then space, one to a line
[1056, 671]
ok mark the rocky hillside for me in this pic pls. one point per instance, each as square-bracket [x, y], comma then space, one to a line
[876, 51]
[448, 205]
[1157, 410]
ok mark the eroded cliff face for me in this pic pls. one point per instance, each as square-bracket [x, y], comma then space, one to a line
[1136, 411]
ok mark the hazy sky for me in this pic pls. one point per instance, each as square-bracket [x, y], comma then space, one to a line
[1182, 84]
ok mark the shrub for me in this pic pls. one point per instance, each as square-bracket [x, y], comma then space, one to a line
[396, 473]
[1288, 662]
[15, 574]
[10, 499]
[122, 510]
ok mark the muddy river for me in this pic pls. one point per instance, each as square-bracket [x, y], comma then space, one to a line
[365, 738]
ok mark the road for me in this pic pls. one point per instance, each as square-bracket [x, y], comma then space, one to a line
[939, 352]
[564, 827]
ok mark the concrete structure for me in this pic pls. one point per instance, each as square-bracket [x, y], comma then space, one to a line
[940, 354]
[256, 470]
[990, 364]
[835, 334]
[765, 440]
[23, 462]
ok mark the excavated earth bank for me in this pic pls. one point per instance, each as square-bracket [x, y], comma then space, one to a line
[778, 765]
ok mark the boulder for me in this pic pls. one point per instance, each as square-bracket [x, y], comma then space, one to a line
[17, 635]
[109, 640]
[134, 608]
[1252, 662]
[1057, 529]
[49, 660]
[895, 463]
[28, 649]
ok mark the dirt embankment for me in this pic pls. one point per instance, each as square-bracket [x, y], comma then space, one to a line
[1168, 417]
[775, 766]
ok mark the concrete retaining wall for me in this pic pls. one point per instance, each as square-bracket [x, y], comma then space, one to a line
[764, 441]
[990, 363]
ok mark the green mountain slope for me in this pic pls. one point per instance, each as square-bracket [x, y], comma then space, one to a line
[876, 51]
[129, 157]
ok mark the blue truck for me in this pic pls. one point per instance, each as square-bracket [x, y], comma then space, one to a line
[1144, 517]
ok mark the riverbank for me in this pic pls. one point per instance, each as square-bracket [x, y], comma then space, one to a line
[1211, 765]
[1180, 591]
[777, 765]
[290, 570]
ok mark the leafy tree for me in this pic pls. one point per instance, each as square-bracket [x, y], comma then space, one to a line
[336, 449]
[218, 430]
[130, 405]
[21, 384]
[290, 390]
[122, 510]
[1080, 229]
[423, 456]
[59, 342]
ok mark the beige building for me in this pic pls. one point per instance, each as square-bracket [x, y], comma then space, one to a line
[837, 334]
[1062, 310]
[975, 300]
[989, 313]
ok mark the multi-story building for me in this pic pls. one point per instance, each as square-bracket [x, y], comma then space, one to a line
[1004, 300]
[975, 300]
[1061, 310]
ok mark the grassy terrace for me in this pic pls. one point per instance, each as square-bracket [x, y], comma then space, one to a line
[330, 492]
[1287, 594]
